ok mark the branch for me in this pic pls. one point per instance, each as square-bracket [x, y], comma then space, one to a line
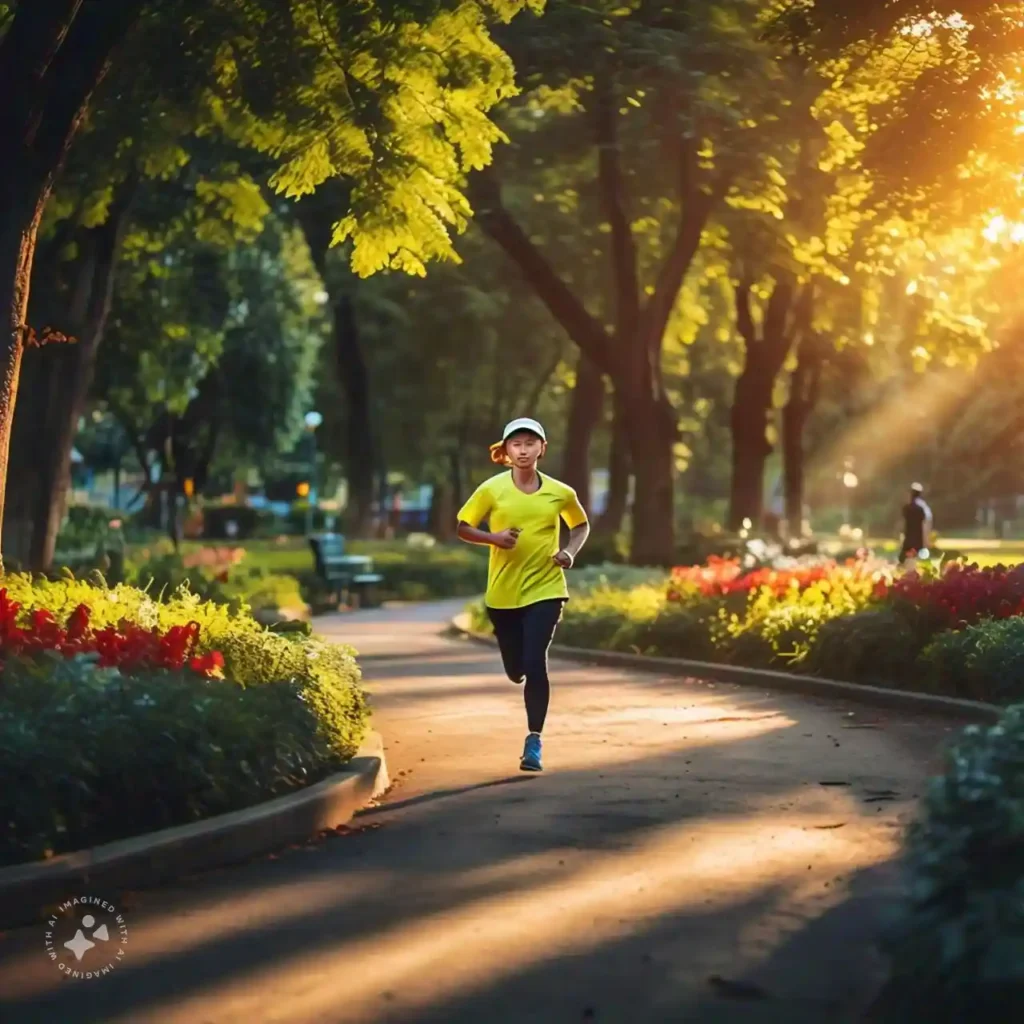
[36, 34]
[612, 191]
[776, 333]
[543, 381]
[817, 366]
[745, 315]
[77, 68]
[316, 215]
[564, 306]
[138, 447]
[658, 309]
[108, 247]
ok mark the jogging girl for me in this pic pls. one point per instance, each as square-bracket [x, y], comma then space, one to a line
[526, 587]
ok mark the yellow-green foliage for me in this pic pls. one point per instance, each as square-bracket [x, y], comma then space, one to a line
[762, 627]
[327, 674]
[150, 748]
[789, 622]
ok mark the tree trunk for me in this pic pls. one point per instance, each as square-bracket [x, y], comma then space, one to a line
[652, 436]
[442, 511]
[54, 55]
[631, 353]
[751, 406]
[354, 377]
[585, 412]
[619, 475]
[316, 214]
[52, 396]
[804, 391]
[767, 348]
[794, 418]
[17, 247]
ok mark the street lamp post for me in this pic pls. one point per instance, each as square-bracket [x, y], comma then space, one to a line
[313, 420]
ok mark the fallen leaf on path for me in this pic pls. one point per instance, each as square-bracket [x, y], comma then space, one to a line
[828, 782]
[736, 989]
[838, 824]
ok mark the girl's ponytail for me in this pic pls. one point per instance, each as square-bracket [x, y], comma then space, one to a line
[498, 454]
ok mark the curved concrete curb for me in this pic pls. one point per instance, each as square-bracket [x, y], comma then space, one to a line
[157, 857]
[814, 686]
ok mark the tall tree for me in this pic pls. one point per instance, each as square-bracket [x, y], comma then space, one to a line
[616, 86]
[349, 361]
[397, 103]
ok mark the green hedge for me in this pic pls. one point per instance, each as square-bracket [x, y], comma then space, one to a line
[165, 573]
[419, 575]
[94, 754]
[957, 949]
[877, 646]
[284, 573]
[981, 662]
[835, 634]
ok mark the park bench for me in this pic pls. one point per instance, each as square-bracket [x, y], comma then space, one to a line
[349, 577]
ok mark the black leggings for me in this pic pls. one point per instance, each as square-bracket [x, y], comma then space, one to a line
[524, 636]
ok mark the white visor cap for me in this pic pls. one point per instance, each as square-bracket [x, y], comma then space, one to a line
[523, 423]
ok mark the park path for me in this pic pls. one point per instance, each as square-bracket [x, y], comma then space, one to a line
[682, 832]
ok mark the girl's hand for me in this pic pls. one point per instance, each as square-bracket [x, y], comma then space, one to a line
[506, 540]
[564, 560]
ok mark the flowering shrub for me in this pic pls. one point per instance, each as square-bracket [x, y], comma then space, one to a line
[120, 713]
[960, 595]
[128, 646]
[721, 577]
[781, 625]
[955, 631]
[717, 577]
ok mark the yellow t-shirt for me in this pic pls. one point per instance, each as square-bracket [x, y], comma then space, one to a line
[526, 574]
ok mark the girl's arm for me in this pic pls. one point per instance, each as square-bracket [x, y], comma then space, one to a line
[471, 535]
[577, 538]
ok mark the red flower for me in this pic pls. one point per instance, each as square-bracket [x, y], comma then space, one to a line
[210, 665]
[965, 594]
[126, 646]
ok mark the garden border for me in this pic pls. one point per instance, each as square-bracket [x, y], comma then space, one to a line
[156, 857]
[813, 686]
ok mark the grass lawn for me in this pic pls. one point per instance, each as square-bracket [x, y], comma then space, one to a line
[293, 555]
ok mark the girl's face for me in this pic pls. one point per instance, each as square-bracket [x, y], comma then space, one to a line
[525, 449]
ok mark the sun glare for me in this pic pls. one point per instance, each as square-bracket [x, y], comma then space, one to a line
[1000, 230]
[925, 28]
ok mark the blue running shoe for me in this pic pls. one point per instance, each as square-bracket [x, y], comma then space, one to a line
[531, 754]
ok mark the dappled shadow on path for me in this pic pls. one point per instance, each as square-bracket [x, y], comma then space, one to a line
[684, 836]
[409, 907]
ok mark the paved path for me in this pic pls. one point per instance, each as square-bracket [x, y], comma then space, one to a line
[681, 832]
